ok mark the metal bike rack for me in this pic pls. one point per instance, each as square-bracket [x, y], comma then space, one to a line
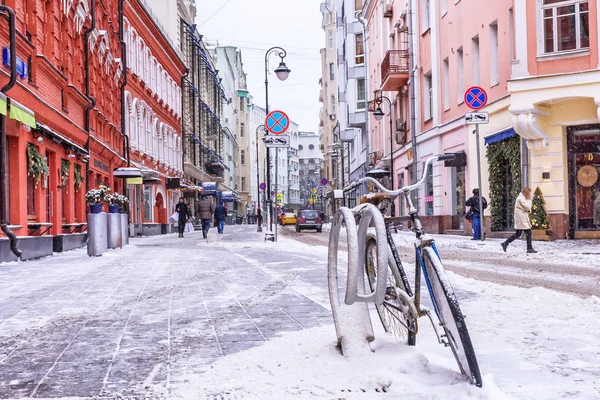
[353, 321]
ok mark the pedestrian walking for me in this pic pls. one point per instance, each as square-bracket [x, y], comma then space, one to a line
[474, 214]
[184, 214]
[249, 217]
[220, 214]
[522, 223]
[205, 210]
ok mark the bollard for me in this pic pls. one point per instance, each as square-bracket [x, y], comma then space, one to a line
[115, 234]
[97, 234]
[125, 229]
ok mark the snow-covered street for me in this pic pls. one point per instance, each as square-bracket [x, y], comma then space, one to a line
[240, 318]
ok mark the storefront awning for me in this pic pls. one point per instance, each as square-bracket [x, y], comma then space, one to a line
[22, 114]
[500, 136]
[3, 104]
[58, 138]
[242, 93]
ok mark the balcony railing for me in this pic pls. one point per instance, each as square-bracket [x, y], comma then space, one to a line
[394, 69]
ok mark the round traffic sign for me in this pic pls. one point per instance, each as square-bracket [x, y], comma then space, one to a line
[476, 97]
[262, 186]
[277, 122]
[324, 181]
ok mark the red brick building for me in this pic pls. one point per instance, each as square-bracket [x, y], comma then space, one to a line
[153, 118]
[64, 117]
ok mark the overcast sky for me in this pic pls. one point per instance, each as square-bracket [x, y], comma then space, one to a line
[254, 26]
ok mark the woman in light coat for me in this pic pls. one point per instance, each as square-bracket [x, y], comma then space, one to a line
[522, 224]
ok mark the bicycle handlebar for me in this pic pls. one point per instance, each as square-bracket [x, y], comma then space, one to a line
[383, 189]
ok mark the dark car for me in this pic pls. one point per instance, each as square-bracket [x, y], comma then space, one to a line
[309, 219]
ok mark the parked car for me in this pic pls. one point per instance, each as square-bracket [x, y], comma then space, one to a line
[309, 219]
[288, 218]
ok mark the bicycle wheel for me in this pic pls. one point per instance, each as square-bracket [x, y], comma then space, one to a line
[397, 313]
[450, 316]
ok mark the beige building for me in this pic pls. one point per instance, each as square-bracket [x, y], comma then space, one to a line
[328, 95]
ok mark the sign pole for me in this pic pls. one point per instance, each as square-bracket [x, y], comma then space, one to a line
[276, 214]
[481, 211]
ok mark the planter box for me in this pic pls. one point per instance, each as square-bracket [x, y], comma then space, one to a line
[69, 242]
[541, 235]
[32, 247]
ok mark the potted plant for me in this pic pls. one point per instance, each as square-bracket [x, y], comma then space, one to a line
[96, 197]
[123, 202]
[37, 165]
[113, 203]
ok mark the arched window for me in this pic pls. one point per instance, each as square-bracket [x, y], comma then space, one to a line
[133, 122]
[155, 128]
[141, 48]
[141, 127]
[154, 72]
[159, 75]
[164, 86]
[161, 142]
[133, 53]
[178, 108]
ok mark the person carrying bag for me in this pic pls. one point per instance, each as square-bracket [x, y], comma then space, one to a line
[183, 213]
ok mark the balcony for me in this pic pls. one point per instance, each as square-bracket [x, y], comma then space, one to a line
[394, 70]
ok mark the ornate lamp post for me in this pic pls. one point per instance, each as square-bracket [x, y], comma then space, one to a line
[379, 114]
[258, 210]
[282, 72]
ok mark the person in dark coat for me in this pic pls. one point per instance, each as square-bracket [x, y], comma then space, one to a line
[184, 214]
[473, 202]
[220, 214]
[205, 210]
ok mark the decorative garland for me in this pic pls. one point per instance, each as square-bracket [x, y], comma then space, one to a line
[65, 166]
[37, 165]
[498, 154]
[78, 178]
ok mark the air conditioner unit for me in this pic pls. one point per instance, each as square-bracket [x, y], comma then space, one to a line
[401, 137]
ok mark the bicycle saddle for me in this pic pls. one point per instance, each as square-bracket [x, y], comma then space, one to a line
[374, 198]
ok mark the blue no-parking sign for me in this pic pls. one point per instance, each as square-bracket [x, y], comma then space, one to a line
[277, 122]
[476, 97]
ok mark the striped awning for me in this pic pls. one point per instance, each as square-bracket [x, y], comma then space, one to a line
[500, 136]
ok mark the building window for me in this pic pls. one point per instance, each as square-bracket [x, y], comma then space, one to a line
[429, 192]
[241, 104]
[428, 91]
[331, 39]
[511, 32]
[331, 71]
[311, 147]
[360, 48]
[358, 5]
[446, 84]
[460, 81]
[332, 105]
[494, 67]
[30, 195]
[243, 157]
[426, 15]
[242, 129]
[565, 25]
[475, 59]
[361, 95]
[243, 183]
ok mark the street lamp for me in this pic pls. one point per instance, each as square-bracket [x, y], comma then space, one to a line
[258, 211]
[282, 72]
[378, 114]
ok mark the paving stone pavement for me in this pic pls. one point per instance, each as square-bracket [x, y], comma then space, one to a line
[132, 322]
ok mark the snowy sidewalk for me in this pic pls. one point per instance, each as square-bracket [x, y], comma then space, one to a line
[133, 321]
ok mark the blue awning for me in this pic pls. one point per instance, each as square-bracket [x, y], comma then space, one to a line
[500, 136]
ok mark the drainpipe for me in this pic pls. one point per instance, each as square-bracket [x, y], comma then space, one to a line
[413, 101]
[367, 120]
[123, 104]
[88, 110]
[3, 147]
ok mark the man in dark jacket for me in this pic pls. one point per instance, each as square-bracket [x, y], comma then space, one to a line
[473, 202]
[182, 209]
[205, 209]
[220, 214]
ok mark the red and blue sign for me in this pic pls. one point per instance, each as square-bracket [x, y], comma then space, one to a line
[262, 186]
[476, 97]
[277, 122]
[324, 181]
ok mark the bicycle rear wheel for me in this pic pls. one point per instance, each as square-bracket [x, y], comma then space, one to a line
[450, 316]
[397, 314]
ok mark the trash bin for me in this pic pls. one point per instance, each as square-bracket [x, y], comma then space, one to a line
[239, 220]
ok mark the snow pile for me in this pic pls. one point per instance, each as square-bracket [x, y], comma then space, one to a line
[307, 365]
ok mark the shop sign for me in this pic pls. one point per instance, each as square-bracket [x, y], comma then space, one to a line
[101, 165]
[135, 181]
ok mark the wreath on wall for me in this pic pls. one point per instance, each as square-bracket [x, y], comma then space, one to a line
[37, 165]
[65, 166]
[77, 178]
[498, 154]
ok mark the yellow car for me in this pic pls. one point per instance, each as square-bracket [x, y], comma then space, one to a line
[288, 218]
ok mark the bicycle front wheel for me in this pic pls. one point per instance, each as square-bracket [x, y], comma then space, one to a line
[450, 316]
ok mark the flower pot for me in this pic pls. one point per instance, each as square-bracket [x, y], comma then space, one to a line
[95, 208]
[122, 210]
[113, 209]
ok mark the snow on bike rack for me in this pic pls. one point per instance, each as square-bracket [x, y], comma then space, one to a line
[352, 321]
